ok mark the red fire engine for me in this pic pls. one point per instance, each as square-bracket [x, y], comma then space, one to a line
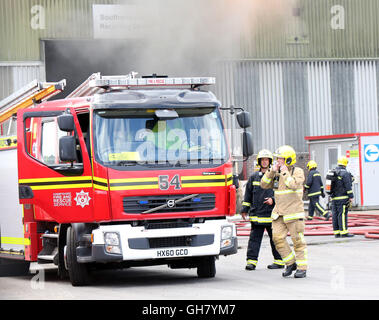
[123, 172]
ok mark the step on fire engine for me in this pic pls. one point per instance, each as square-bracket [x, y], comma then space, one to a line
[123, 172]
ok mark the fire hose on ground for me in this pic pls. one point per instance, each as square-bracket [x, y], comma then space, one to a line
[358, 224]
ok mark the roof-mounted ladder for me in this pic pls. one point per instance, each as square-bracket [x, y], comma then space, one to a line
[84, 90]
[27, 96]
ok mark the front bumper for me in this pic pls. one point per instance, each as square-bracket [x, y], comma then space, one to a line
[139, 244]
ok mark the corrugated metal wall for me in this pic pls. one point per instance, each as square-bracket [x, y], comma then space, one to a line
[319, 100]
[21, 31]
[315, 29]
[14, 76]
[291, 100]
[366, 96]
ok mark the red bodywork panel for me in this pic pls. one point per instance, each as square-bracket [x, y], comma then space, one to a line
[98, 193]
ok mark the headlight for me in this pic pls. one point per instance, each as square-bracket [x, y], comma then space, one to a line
[226, 232]
[112, 242]
[111, 238]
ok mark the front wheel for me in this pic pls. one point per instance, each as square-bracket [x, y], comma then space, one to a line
[207, 267]
[78, 272]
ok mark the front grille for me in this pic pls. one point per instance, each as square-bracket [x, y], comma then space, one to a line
[201, 202]
[168, 225]
[169, 242]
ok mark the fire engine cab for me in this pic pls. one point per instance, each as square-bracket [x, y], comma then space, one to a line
[123, 172]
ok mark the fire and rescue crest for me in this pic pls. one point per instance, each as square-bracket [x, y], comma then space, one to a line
[82, 199]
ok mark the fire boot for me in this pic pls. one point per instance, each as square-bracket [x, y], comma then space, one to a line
[275, 266]
[289, 269]
[347, 235]
[250, 266]
[300, 273]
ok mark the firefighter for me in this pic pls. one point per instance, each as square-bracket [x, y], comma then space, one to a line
[342, 198]
[315, 188]
[288, 214]
[259, 203]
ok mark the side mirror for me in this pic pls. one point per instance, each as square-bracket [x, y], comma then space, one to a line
[66, 122]
[247, 142]
[67, 149]
[243, 119]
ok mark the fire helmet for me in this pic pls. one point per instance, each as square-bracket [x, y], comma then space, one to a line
[311, 165]
[343, 161]
[288, 153]
[264, 153]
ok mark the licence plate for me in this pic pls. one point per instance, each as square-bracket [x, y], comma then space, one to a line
[163, 253]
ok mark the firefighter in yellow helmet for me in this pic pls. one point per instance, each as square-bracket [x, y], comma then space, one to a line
[288, 213]
[315, 189]
[258, 203]
[342, 198]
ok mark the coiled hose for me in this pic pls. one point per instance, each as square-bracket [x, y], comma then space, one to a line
[359, 224]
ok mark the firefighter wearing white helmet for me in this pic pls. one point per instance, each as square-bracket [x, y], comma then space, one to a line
[258, 203]
[342, 198]
[288, 214]
[315, 189]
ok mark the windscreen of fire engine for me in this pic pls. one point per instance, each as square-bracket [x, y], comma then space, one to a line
[124, 138]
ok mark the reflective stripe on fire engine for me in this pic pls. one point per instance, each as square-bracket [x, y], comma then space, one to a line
[100, 183]
[14, 240]
[8, 143]
[203, 181]
[134, 183]
[229, 179]
[57, 183]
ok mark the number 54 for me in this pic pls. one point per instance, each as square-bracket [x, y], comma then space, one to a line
[164, 182]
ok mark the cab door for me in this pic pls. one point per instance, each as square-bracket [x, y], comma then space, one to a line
[60, 190]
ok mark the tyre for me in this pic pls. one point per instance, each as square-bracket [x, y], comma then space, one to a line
[207, 267]
[13, 268]
[78, 272]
